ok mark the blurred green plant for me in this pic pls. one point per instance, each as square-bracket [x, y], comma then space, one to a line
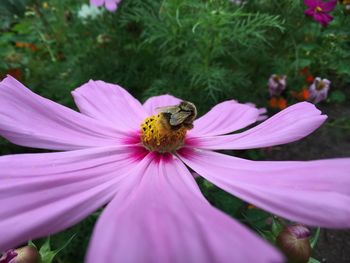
[203, 51]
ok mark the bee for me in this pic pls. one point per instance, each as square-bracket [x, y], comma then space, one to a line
[178, 116]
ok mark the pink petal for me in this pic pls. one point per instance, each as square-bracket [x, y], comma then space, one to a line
[110, 104]
[312, 3]
[153, 103]
[289, 125]
[328, 6]
[262, 111]
[161, 216]
[262, 114]
[309, 12]
[111, 5]
[323, 18]
[97, 2]
[305, 192]
[44, 193]
[30, 120]
[224, 118]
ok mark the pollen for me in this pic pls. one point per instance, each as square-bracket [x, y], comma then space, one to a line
[158, 135]
[318, 9]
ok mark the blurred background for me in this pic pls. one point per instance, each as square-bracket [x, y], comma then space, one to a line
[203, 51]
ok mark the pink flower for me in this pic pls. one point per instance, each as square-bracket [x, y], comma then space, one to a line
[319, 10]
[262, 112]
[155, 211]
[111, 5]
[277, 84]
[318, 90]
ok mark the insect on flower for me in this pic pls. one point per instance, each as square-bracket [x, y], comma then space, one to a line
[166, 131]
[318, 90]
[178, 116]
[277, 84]
[155, 211]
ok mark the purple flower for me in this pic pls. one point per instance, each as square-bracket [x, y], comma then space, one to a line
[318, 90]
[319, 10]
[111, 5]
[277, 84]
[156, 212]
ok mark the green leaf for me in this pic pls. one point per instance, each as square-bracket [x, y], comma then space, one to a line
[276, 227]
[313, 260]
[315, 238]
[337, 97]
[47, 255]
[24, 27]
[268, 235]
[207, 184]
[301, 63]
[30, 243]
[256, 218]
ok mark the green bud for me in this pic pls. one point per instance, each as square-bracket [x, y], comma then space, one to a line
[295, 244]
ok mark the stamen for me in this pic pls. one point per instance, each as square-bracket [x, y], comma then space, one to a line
[166, 131]
[318, 9]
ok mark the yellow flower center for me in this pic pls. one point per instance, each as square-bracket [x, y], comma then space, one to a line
[166, 131]
[318, 9]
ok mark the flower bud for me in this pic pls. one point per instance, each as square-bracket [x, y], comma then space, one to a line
[27, 254]
[294, 242]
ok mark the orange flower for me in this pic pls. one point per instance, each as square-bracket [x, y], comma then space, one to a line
[304, 71]
[302, 95]
[26, 45]
[309, 79]
[277, 103]
[14, 72]
[282, 103]
[273, 102]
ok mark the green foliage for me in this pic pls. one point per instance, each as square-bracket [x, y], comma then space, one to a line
[47, 254]
[220, 199]
[202, 51]
[313, 260]
[202, 44]
[337, 97]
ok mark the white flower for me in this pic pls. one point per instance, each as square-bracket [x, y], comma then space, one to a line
[89, 12]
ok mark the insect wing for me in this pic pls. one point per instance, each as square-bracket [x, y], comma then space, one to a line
[179, 117]
[168, 109]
